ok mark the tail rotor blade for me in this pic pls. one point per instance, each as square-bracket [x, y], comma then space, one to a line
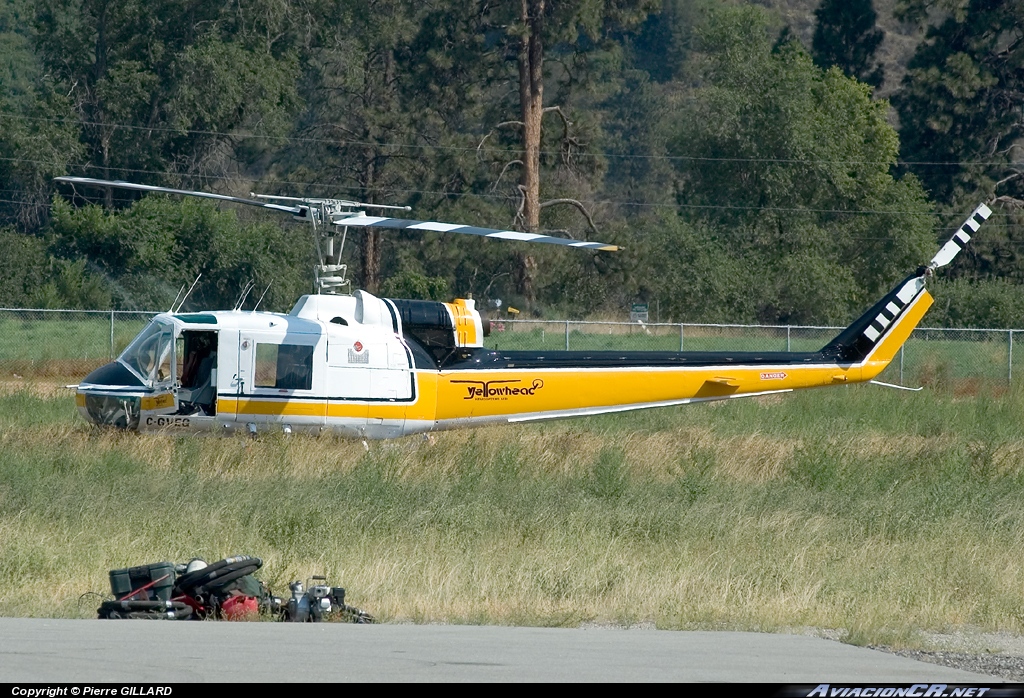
[961, 237]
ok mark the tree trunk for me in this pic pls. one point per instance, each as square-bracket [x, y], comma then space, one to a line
[371, 239]
[99, 72]
[371, 260]
[531, 104]
[105, 135]
[524, 272]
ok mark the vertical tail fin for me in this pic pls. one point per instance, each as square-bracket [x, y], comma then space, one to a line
[857, 341]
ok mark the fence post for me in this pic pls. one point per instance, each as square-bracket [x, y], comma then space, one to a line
[789, 342]
[1009, 361]
[567, 335]
[680, 336]
[111, 335]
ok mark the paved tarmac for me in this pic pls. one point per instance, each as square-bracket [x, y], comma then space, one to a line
[93, 651]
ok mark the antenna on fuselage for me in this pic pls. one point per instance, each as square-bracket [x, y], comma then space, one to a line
[187, 294]
[261, 297]
[176, 296]
[249, 285]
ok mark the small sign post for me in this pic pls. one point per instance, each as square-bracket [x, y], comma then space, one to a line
[638, 313]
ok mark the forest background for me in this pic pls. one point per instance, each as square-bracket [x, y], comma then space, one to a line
[780, 161]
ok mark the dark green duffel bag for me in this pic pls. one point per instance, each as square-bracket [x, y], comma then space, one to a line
[143, 583]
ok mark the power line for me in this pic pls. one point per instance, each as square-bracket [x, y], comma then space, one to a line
[450, 148]
[606, 202]
[602, 202]
[990, 225]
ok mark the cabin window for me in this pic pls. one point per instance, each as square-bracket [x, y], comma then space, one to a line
[284, 366]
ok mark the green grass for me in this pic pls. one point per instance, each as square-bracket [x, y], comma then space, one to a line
[862, 509]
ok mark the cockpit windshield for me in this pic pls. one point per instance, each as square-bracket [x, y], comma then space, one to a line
[149, 355]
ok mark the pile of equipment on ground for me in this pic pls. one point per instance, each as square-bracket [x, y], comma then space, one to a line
[225, 589]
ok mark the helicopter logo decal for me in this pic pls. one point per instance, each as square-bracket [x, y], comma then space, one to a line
[483, 389]
[356, 355]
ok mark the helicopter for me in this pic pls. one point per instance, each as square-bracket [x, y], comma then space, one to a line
[375, 368]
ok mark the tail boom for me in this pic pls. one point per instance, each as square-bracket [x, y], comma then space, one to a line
[519, 386]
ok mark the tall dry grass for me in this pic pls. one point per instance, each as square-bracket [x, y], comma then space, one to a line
[858, 509]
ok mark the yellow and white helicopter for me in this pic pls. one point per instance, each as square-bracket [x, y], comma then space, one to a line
[375, 367]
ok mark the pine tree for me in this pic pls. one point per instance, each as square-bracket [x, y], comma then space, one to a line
[961, 101]
[960, 109]
[776, 158]
[846, 36]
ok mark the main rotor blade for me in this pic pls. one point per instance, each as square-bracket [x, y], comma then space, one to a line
[403, 224]
[961, 237]
[294, 210]
[356, 220]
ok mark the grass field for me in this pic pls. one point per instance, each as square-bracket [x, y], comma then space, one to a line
[870, 511]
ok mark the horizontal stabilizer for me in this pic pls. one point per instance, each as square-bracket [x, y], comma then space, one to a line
[724, 380]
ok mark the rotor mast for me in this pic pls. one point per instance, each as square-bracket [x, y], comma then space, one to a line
[331, 275]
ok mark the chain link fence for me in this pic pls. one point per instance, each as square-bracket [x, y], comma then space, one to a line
[961, 360]
[63, 344]
[66, 345]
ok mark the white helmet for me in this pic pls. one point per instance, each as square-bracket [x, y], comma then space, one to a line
[194, 564]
